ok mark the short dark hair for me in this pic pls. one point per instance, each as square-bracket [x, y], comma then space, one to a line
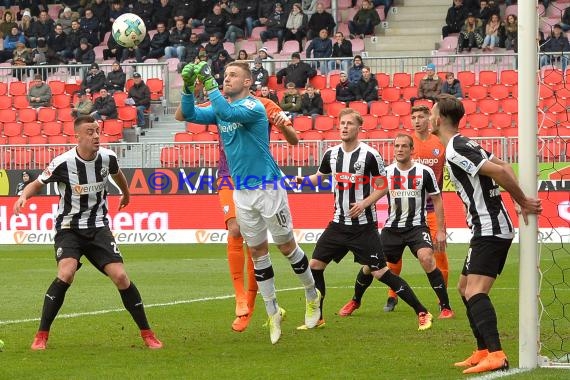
[405, 135]
[82, 120]
[451, 108]
[422, 108]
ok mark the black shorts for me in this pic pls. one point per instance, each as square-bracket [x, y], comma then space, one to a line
[362, 240]
[97, 244]
[395, 240]
[486, 256]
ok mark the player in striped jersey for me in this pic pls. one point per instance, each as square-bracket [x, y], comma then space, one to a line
[428, 150]
[410, 184]
[355, 168]
[261, 204]
[82, 227]
[477, 175]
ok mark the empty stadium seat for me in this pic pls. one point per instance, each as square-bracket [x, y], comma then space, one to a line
[156, 87]
[328, 95]
[383, 79]
[508, 77]
[370, 122]
[183, 137]
[319, 81]
[47, 114]
[128, 115]
[5, 102]
[488, 106]
[498, 91]
[360, 106]
[467, 78]
[169, 157]
[487, 77]
[501, 120]
[333, 109]
[57, 87]
[18, 88]
[312, 135]
[190, 156]
[7, 115]
[379, 108]
[476, 92]
[478, 121]
[324, 123]
[302, 123]
[31, 128]
[401, 80]
[391, 94]
[400, 108]
[20, 101]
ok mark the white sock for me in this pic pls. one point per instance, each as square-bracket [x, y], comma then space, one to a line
[300, 265]
[266, 282]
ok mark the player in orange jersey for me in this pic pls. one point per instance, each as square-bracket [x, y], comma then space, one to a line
[245, 299]
[430, 152]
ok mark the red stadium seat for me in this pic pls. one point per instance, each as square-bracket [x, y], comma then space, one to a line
[18, 88]
[57, 87]
[401, 80]
[12, 128]
[499, 91]
[31, 128]
[128, 115]
[409, 92]
[22, 158]
[467, 78]
[377, 134]
[476, 92]
[389, 122]
[183, 137]
[17, 140]
[488, 106]
[370, 122]
[501, 120]
[328, 95]
[5, 102]
[334, 79]
[302, 123]
[383, 80]
[61, 101]
[3, 88]
[487, 77]
[379, 108]
[391, 94]
[509, 77]
[333, 109]
[113, 129]
[478, 121]
[26, 115]
[360, 106]
[318, 81]
[400, 108]
[190, 156]
[195, 128]
[120, 97]
[47, 114]
[51, 128]
[312, 135]
[42, 156]
[510, 105]
[156, 87]
[68, 128]
[37, 140]
[324, 123]
[169, 157]
[20, 101]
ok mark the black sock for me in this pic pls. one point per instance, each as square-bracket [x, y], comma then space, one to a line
[403, 290]
[362, 283]
[480, 342]
[485, 319]
[319, 277]
[52, 303]
[133, 303]
[438, 285]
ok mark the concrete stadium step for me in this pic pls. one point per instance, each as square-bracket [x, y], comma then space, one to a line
[422, 3]
[403, 28]
[402, 43]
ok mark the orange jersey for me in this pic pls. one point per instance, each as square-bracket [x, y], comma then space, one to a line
[271, 109]
[430, 152]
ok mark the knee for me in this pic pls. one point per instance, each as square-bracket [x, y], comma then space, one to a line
[427, 260]
[121, 280]
[317, 264]
[66, 275]
[288, 247]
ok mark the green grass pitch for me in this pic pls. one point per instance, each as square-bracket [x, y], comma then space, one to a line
[188, 295]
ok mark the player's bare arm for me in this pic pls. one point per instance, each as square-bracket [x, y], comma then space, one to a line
[503, 174]
[358, 208]
[281, 121]
[441, 234]
[178, 115]
[314, 178]
[121, 181]
[29, 191]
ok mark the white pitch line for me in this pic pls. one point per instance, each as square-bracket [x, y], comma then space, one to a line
[499, 374]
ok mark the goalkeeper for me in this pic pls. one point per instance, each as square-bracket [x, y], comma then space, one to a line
[261, 204]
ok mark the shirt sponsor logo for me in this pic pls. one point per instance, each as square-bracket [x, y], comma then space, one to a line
[89, 188]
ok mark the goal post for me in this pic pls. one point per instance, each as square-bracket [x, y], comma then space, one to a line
[528, 174]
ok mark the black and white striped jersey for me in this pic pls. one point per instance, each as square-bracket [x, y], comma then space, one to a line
[352, 173]
[486, 212]
[82, 187]
[407, 194]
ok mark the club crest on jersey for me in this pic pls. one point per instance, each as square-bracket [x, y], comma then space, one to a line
[358, 165]
[104, 172]
[436, 152]
[226, 209]
[59, 252]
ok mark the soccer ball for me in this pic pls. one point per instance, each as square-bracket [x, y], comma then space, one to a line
[129, 30]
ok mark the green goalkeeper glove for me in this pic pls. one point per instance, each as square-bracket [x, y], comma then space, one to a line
[189, 77]
[204, 75]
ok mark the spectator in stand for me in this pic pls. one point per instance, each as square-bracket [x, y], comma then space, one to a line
[85, 54]
[430, 85]
[341, 48]
[73, 40]
[320, 47]
[309, 7]
[265, 92]
[159, 42]
[144, 9]
[242, 55]
[104, 106]
[219, 66]
[39, 94]
[179, 37]
[276, 25]
[114, 50]
[186, 11]
[344, 90]
[83, 106]
[116, 79]
[556, 43]
[163, 13]
[42, 27]
[26, 180]
[455, 18]
[364, 21]
[235, 24]
[494, 7]
[21, 57]
[7, 24]
[259, 75]
[355, 72]
[57, 43]
[139, 52]
[511, 32]
[65, 18]
[214, 24]
[564, 21]
[101, 12]
[452, 86]
[10, 43]
[94, 80]
[386, 3]
[366, 89]
[318, 21]
[492, 30]
[192, 49]
[296, 26]
[249, 10]
[483, 13]
[117, 9]
[139, 94]
[266, 58]
[311, 102]
[213, 48]
[26, 24]
[291, 102]
[471, 35]
[296, 72]
[90, 27]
